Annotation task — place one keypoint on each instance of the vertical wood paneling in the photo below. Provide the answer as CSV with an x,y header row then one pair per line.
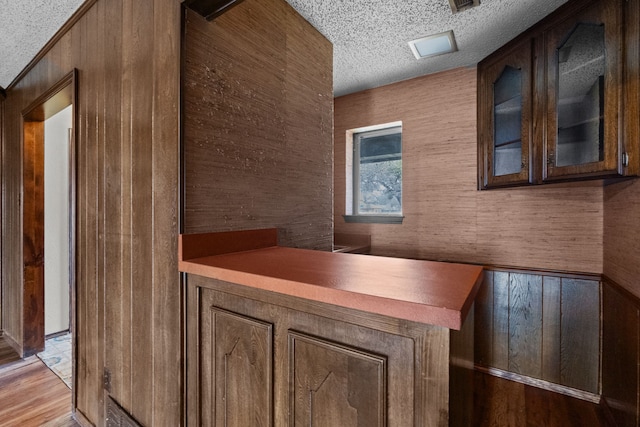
x,y
127,55
544,327
115,309
620,356
525,324
580,355
141,210
500,347
551,328
484,321
258,124
166,317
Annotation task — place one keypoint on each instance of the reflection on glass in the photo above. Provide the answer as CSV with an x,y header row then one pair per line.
x,y
581,66
507,120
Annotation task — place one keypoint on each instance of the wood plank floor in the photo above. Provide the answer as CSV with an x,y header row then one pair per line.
x,y
32,395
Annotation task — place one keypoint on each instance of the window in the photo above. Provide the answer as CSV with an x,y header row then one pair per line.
x,y
374,174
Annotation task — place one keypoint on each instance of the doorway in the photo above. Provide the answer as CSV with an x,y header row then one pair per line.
x,y
48,222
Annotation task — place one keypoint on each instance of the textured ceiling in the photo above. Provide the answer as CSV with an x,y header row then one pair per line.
x,y
369,36
25,27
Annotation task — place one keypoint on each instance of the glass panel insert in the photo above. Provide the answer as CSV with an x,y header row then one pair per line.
x,y
507,122
581,67
379,171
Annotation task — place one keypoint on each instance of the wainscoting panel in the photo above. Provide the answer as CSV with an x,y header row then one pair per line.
x,y
620,354
542,326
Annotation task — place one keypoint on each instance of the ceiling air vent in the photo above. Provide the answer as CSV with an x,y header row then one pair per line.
x,y
460,5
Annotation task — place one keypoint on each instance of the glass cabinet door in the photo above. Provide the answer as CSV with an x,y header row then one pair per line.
x,y
582,96
506,117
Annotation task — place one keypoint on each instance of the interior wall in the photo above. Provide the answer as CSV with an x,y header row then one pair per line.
x,y
551,227
257,124
56,221
128,290
622,234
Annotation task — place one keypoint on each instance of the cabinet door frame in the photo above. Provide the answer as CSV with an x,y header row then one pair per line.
x,y
519,57
609,13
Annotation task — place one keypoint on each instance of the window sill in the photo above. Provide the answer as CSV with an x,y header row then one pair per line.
x,y
374,219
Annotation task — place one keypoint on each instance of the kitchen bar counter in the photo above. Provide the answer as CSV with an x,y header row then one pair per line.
x,y
361,339
428,292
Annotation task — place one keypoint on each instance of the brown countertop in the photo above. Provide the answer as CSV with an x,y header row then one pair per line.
x,y
422,291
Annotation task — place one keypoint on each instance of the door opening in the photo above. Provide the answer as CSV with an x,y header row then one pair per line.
x,y
48,220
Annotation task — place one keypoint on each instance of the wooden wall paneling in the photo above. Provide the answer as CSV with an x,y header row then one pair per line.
x,y
541,326
89,366
525,324
257,124
141,210
620,355
501,328
11,171
168,383
551,328
484,321
580,342
127,195
117,309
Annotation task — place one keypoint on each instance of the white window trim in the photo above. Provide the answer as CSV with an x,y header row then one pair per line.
x,y
350,216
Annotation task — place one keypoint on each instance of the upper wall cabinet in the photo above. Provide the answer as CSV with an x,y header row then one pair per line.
x,y
550,102
505,111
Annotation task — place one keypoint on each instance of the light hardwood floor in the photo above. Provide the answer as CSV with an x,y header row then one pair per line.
x,y
30,394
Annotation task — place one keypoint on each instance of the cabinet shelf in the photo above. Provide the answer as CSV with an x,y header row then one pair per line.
x,y
508,143
581,123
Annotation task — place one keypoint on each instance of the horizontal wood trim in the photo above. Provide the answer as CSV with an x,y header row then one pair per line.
x,y
542,384
555,273
192,246
88,4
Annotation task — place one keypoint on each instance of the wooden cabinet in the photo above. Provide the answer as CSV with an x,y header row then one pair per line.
x,y
256,358
505,110
550,102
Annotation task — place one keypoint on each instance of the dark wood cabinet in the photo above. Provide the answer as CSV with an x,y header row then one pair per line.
x,y
560,85
257,358
505,111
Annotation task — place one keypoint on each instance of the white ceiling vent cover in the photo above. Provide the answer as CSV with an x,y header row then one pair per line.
x,y
460,5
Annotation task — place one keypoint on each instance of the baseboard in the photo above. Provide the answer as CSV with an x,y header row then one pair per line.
x,y
81,419
14,344
606,410
542,384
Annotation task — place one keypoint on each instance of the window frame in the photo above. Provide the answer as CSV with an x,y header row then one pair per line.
x,y
352,213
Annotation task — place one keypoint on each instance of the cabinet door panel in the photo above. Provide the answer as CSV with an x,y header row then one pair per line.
x,y
333,385
583,78
505,119
240,368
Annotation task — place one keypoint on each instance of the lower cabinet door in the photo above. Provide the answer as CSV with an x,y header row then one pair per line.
x,y
239,366
334,385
